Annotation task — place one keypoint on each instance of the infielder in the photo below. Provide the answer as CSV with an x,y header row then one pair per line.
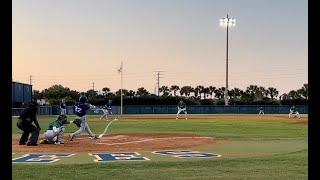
x,y
63,107
261,111
294,111
54,134
81,109
107,109
182,107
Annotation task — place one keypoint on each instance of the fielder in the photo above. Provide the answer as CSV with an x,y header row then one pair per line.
x,y
54,134
261,111
81,109
107,109
63,107
294,111
182,107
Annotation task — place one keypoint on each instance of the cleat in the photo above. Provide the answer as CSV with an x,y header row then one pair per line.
x,y
44,141
22,143
71,137
32,144
95,137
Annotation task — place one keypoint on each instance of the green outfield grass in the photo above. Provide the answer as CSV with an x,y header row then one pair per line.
x,y
269,147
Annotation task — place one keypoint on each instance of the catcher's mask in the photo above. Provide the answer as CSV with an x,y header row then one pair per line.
x,y
62,118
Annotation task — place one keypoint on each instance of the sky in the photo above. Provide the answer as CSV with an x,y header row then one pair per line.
x,y
80,43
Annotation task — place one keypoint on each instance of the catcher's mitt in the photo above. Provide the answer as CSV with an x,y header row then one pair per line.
x,y
77,122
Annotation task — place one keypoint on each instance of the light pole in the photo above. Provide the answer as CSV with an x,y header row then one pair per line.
x,y
226,23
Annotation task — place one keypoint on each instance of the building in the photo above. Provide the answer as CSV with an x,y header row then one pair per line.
x,y
21,94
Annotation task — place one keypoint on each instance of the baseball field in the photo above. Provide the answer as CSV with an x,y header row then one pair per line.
x,y
160,147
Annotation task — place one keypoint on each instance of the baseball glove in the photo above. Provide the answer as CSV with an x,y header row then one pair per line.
x,y
77,122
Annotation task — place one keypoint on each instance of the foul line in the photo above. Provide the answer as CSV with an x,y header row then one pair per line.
x,y
146,140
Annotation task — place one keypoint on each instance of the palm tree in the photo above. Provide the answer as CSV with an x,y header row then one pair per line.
x,y
232,94
238,93
211,90
165,90
106,90
219,93
124,92
174,88
272,92
196,91
186,90
294,95
131,93
205,92
142,92
251,90
303,91
260,93
201,88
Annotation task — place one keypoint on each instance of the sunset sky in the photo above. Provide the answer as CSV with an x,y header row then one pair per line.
x,y
77,42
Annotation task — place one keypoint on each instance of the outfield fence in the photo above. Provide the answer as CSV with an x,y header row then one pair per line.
x,y
172,109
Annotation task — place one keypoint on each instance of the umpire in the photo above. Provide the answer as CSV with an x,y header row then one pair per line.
x,y
24,123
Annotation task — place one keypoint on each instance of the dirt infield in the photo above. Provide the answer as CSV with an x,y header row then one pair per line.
x,y
119,142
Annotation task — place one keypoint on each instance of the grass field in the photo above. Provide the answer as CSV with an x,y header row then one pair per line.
x,y
252,147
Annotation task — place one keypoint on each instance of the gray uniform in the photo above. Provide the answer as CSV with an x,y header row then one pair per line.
x,y
81,111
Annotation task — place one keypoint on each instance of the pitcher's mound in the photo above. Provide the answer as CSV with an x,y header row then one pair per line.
x,y
119,142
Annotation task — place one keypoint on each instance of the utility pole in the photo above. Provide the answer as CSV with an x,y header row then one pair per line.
x,y
93,86
30,80
158,79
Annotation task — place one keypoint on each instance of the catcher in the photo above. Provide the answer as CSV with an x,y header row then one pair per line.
x,y
54,134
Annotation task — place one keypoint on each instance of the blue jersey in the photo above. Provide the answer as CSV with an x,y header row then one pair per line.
x,y
63,106
81,109
108,106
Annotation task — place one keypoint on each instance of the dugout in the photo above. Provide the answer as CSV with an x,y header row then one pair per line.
x,y
21,94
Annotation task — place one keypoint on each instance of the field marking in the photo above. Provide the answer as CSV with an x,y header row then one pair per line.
x,y
152,139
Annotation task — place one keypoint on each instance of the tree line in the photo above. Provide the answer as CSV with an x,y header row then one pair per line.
x,y
171,95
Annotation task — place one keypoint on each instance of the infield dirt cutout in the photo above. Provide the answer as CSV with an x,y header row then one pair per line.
x,y
119,142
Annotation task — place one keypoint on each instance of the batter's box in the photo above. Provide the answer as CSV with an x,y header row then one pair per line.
x,y
186,154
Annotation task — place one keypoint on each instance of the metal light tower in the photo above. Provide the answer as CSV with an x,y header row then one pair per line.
x,y
120,71
226,23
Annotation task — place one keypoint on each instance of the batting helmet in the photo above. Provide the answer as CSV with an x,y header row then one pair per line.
x,y
83,99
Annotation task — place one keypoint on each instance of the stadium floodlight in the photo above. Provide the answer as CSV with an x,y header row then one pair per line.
x,y
226,23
